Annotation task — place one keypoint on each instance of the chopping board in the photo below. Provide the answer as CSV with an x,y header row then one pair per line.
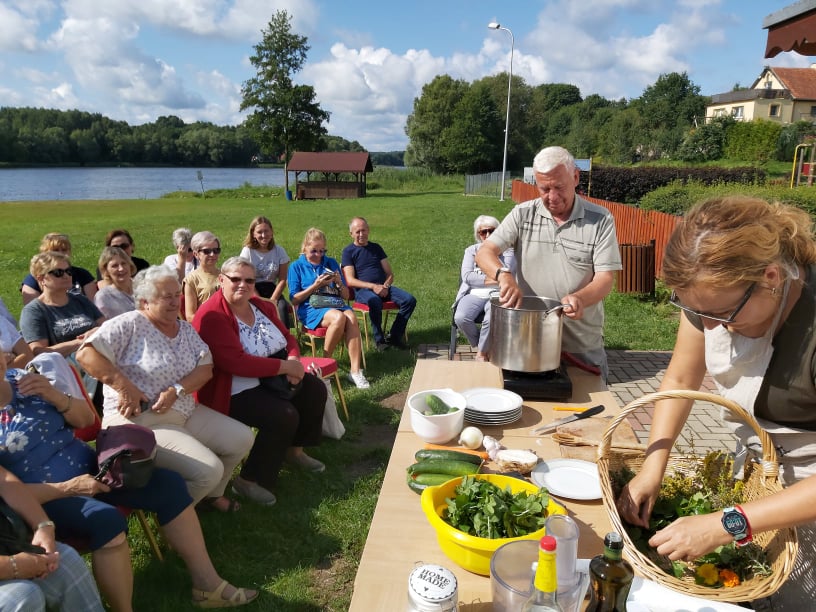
x,y
593,429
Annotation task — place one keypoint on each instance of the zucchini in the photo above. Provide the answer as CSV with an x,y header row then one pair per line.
x,y
419,482
443,466
454,455
437,405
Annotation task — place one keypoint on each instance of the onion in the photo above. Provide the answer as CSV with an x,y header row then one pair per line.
x,y
471,437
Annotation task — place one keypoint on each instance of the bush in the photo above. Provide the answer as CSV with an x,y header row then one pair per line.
x,y
755,140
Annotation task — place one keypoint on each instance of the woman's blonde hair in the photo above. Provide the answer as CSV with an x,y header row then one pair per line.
x,y
110,253
55,242
312,235
730,240
42,263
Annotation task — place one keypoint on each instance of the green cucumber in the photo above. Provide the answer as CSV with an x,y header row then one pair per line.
x,y
437,405
449,455
419,482
443,466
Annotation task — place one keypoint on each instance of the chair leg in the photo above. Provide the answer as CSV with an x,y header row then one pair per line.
x,y
453,338
340,393
363,323
148,531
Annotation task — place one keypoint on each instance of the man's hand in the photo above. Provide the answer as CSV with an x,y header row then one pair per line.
x,y
381,291
509,292
574,308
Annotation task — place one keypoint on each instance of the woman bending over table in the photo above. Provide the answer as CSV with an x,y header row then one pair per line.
x,y
38,446
744,273
151,364
248,341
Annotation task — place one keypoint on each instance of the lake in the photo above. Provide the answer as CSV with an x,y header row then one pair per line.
x,y
124,183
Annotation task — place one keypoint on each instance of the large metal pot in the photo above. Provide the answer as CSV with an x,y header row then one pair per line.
x,y
526,339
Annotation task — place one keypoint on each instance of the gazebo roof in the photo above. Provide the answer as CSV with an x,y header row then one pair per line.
x,y
330,162
792,28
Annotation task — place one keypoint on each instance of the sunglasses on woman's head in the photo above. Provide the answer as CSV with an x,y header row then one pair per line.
x,y
60,272
215,251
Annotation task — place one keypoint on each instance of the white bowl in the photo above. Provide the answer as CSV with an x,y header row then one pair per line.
x,y
437,428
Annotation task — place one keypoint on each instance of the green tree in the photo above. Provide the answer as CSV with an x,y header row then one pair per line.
x,y
287,117
475,139
706,142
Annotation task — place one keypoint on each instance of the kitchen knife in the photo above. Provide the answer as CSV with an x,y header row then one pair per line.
x,y
552,426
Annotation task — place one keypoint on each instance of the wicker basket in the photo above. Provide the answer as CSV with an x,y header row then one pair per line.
x,y
780,546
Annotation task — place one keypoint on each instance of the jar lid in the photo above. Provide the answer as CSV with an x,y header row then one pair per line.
x,y
432,584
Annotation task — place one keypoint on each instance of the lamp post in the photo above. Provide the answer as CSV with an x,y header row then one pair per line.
x,y
493,25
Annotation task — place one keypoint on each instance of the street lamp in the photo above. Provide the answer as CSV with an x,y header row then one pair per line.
x,y
493,25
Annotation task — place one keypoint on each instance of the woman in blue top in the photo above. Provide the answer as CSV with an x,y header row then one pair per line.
x,y
314,273
37,444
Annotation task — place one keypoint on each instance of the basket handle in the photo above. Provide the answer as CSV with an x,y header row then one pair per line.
x,y
770,463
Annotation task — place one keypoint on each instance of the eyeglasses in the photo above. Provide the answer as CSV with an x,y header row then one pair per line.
x,y
122,245
215,251
487,231
730,319
60,272
169,297
317,251
237,279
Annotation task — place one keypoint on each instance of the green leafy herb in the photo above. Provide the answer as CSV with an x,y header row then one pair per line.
x,y
482,509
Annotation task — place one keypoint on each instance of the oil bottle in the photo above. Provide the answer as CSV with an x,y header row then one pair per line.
x,y
610,577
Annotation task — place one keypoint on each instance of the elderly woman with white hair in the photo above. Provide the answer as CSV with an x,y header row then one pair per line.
x,y
183,261
151,363
472,302
200,284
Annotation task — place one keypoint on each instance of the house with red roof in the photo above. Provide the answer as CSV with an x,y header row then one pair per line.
x,y
785,95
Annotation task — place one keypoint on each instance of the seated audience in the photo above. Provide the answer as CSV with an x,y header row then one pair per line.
x,y
369,273
151,363
58,320
271,264
57,578
243,332
202,282
473,298
122,239
183,261
315,273
117,269
15,350
41,450
6,314
82,282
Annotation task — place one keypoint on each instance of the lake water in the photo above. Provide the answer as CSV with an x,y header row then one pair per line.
x,y
124,183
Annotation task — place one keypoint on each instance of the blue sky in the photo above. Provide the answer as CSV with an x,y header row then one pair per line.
x,y
138,60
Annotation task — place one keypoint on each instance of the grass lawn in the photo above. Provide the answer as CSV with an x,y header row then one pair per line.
x,y
303,552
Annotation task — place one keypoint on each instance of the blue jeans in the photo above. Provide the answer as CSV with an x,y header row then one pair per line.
x,y
403,299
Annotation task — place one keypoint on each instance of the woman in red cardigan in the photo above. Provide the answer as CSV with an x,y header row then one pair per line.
x,y
248,342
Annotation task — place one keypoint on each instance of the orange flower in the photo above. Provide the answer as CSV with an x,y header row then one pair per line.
x,y
729,578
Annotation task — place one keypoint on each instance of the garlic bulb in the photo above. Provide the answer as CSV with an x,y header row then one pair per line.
x,y
471,437
510,460
492,446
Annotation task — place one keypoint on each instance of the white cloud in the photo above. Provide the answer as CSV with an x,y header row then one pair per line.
x,y
17,30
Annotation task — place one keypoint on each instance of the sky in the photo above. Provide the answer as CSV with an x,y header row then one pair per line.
x,y
137,60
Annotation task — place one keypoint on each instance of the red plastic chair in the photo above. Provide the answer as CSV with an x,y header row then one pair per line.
x,y
309,337
328,367
362,310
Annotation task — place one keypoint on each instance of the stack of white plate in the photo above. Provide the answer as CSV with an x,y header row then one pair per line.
x,y
491,406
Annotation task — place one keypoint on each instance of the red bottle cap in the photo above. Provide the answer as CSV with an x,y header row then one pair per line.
x,y
547,543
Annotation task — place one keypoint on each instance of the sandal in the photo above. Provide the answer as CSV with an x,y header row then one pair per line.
x,y
214,599
212,504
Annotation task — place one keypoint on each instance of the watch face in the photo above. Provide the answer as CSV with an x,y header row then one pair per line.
x,y
734,523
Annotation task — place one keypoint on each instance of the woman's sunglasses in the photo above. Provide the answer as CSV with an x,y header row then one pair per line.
x,y
215,251
675,301
487,231
60,272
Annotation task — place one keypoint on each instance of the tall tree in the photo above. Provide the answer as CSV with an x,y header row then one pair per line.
x,y
287,117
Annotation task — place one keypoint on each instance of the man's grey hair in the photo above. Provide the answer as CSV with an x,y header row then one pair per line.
x,y
550,158
363,219
145,283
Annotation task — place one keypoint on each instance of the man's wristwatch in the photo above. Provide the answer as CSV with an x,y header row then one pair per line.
x,y
736,523
180,392
499,271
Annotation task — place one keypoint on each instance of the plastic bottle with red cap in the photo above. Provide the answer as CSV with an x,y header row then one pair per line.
x,y
545,594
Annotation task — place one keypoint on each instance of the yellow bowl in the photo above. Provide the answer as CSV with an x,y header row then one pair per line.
x,y
471,552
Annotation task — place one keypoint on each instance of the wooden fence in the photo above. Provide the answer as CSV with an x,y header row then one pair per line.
x,y
633,225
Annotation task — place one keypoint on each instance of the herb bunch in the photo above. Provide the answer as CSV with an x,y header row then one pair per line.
x,y
482,509
709,488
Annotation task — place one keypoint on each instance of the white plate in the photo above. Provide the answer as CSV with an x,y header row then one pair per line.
x,y
570,478
490,400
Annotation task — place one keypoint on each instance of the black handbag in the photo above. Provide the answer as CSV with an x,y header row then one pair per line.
x,y
15,534
126,456
279,384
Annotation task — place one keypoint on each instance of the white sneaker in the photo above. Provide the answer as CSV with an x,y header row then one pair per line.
x,y
359,379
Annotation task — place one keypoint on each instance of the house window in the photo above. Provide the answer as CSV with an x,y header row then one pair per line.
x,y
773,111
813,111
737,112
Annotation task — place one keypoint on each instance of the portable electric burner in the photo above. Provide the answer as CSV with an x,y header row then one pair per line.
x,y
550,385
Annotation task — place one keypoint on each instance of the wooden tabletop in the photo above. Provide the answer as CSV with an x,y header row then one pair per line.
x,y
400,537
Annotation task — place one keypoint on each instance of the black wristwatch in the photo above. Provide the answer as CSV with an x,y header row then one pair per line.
x,y
736,523
499,271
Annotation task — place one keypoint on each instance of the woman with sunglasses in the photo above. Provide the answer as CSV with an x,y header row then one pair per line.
x,y
248,343
58,320
743,272
472,303
200,284
313,274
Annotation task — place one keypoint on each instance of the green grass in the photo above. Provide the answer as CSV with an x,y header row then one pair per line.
x,y
304,551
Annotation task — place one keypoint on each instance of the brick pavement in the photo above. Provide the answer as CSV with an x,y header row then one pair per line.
x,y
632,374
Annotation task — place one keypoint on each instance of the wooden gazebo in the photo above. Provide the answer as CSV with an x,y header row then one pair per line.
x,y
331,167
792,28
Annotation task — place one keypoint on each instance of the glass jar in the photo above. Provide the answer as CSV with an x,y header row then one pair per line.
x,y
432,588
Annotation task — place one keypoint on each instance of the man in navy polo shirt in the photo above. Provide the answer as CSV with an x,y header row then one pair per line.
x,y
368,272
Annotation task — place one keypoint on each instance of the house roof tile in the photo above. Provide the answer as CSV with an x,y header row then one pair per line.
x,y
800,81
